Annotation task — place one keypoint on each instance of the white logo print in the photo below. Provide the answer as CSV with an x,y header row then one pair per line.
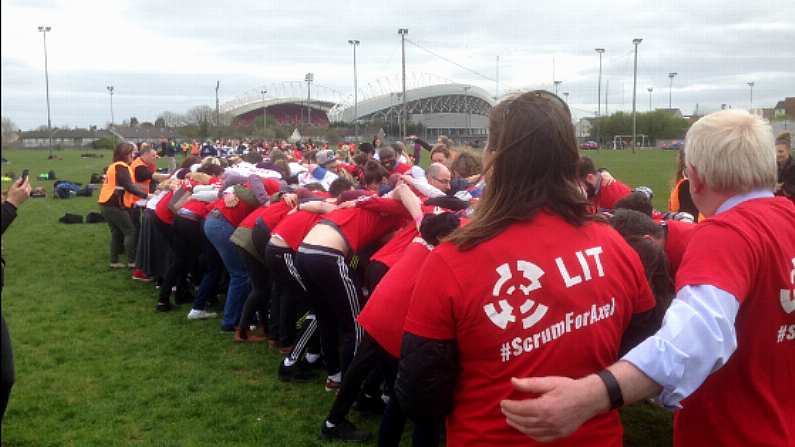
x,y
505,316
788,296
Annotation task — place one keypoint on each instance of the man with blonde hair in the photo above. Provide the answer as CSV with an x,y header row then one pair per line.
x,y
725,355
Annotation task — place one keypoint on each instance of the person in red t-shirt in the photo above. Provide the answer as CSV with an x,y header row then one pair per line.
x,y
532,285
322,262
389,160
601,194
726,351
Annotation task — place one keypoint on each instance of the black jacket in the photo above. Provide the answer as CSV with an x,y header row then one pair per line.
x,y
427,376
9,214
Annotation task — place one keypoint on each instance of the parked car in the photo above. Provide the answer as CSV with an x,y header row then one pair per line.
x,y
674,145
589,145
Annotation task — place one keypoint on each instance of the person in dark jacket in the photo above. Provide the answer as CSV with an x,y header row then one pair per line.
x,y
18,193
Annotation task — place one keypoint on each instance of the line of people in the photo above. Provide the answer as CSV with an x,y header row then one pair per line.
x,y
421,293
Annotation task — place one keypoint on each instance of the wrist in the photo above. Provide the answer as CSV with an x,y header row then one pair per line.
x,y
13,202
598,395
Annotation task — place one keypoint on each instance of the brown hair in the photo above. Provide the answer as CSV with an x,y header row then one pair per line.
x,y
532,166
122,151
466,165
784,138
440,148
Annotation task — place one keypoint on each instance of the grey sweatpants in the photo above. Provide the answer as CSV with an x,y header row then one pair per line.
x,y
122,232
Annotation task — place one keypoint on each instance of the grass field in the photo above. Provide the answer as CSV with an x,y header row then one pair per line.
x,y
96,366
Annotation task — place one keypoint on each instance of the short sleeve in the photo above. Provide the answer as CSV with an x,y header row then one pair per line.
x,y
719,256
431,312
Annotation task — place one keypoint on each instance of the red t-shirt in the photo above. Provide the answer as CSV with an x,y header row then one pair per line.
x,y
401,168
294,228
748,251
162,211
198,208
392,251
543,298
607,196
385,312
679,234
271,215
363,225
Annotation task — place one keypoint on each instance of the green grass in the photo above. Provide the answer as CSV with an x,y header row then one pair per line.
x,y
96,366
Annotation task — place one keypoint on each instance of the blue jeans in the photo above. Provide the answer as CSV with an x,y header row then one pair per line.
x,y
218,230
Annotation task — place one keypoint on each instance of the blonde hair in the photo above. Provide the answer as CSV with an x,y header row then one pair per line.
x,y
732,151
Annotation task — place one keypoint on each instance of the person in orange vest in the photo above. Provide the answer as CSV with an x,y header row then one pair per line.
x,y
680,199
144,169
194,149
116,197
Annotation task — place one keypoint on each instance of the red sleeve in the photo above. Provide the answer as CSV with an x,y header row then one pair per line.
x,y
385,206
431,312
719,256
609,195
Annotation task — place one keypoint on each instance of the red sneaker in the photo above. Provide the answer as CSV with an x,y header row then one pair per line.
x,y
139,275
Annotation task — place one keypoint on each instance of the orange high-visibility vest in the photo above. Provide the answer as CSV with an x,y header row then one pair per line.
x,y
110,185
143,185
673,200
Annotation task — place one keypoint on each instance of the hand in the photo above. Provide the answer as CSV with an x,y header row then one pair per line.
x,y
291,200
19,192
348,204
562,405
607,179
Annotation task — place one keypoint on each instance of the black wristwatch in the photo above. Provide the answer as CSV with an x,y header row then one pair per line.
x,y
613,390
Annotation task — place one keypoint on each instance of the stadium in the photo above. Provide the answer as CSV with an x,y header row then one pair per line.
x,y
456,110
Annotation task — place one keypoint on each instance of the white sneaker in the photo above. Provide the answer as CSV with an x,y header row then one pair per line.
x,y
196,314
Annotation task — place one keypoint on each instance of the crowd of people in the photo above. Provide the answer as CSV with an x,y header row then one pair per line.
x,y
490,297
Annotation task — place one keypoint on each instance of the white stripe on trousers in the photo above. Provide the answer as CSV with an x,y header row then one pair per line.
x,y
353,300
295,354
288,261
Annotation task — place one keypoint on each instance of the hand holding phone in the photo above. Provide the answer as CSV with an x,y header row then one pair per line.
x,y
25,174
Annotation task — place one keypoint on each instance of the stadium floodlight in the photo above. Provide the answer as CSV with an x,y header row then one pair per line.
x,y
635,42
403,112
44,30
599,51
670,87
751,84
264,111
355,43
308,78
650,89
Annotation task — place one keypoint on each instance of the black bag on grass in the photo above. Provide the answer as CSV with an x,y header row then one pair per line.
x,y
51,175
69,218
85,192
94,217
95,179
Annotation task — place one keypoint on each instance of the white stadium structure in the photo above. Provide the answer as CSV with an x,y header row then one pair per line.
x,y
457,110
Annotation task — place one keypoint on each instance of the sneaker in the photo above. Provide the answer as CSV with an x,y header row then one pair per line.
x,y
249,338
117,265
332,385
163,307
225,328
196,314
139,275
344,431
296,373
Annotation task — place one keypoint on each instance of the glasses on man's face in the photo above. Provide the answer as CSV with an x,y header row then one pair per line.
x,y
442,181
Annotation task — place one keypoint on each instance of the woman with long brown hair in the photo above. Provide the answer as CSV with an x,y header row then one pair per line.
x,y
531,284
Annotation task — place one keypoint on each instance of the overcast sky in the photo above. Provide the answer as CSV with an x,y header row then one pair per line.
x,y
167,55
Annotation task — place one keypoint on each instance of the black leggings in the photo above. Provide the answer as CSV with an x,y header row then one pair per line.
x,y
7,373
334,294
259,297
289,289
174,276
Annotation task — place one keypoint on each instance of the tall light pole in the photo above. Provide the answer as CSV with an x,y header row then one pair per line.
x,y
557,86
264,112
601,51
403,111
671,77
635,42
44,30
110,89
469,112
566,95
355,43
650,89
217,110
751,84
309,77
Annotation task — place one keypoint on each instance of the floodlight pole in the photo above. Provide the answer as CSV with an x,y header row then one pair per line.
x,y
670,87
264,112
650,89
599,95
309,78
403,112
217,110
44,30
751,84
355,43
557,86
110,90
635,42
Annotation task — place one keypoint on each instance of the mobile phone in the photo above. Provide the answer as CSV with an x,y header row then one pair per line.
x,y
25,173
